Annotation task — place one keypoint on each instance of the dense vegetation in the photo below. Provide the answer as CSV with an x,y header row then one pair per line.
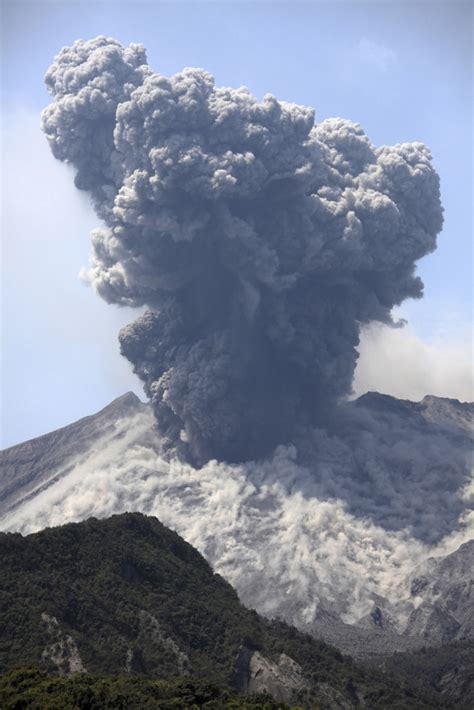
x,y
132,596
31,688
447,669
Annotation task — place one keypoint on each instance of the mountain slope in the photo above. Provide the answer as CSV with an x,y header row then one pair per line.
x,y
32,689
448,669
33,466
365,503
127,595
441,594
438,608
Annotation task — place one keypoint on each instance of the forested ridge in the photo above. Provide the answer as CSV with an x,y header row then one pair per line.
x,y
126,602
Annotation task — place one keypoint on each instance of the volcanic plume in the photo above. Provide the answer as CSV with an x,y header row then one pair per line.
x,y
259,240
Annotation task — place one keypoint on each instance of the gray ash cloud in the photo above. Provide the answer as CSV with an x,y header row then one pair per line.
x,y
259,240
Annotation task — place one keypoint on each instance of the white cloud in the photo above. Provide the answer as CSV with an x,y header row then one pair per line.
x,y
396,361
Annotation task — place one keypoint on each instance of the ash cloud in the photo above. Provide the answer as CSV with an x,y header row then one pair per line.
x,y
260,241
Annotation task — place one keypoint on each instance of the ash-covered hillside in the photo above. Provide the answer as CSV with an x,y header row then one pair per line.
x,y
360,537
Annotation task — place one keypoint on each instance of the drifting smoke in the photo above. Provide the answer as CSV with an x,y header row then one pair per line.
x,y
259,240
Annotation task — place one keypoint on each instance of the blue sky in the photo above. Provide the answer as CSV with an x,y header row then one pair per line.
x,y
403,70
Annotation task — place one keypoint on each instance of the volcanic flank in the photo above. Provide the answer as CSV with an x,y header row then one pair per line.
x,y
259,240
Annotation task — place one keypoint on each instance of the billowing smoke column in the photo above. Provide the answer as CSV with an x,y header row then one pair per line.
x,y
259,240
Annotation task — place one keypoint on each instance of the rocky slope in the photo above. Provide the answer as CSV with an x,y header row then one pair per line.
x,y
441,606
448,669
438,609
126,595
356,535
31,467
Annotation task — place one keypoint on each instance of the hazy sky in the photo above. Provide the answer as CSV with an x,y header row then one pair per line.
x,y
403,70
